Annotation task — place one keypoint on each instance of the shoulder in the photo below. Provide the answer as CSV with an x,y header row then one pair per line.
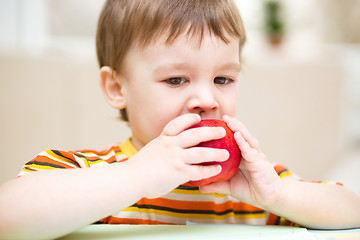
x,y
59,159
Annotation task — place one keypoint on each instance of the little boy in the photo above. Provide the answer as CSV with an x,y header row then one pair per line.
x,y
166,65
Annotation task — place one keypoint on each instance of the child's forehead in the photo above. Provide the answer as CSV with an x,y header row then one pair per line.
x,y
175,50
187,36
192,49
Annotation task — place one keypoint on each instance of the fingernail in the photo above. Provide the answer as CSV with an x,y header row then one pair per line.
x,y
226,155
237,136
222,131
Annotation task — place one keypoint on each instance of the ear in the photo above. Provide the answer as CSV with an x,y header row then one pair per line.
x,y
112,87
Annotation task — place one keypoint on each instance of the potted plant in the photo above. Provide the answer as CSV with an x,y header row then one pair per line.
x,y
274,26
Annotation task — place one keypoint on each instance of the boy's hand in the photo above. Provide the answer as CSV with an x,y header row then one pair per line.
x,y
170,159
256,181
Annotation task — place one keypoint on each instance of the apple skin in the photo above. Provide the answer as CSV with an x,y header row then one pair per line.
x,y
230,166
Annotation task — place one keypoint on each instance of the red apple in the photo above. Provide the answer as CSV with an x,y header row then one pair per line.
x,y
230,166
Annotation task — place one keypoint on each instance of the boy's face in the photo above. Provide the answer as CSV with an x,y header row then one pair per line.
x,y
163,81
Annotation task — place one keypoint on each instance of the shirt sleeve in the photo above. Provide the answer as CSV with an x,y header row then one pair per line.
x,y
55,159
49,160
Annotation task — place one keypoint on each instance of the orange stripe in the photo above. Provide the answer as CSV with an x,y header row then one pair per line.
x,y
67,154
271,219
278,168
195,205
112,159
276,220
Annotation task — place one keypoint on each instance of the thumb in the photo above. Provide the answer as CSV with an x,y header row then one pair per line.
x,y
221,187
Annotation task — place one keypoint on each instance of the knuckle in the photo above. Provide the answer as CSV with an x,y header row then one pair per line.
x,y
195,132
203,154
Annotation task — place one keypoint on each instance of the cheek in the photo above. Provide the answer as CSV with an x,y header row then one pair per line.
x,y
166,111
230,109
152,113
229,102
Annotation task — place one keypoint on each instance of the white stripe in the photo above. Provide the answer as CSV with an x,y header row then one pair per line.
x,y
179,220
80,161
199,198
98,164
121,157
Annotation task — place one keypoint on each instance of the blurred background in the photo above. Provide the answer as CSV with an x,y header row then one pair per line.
x,y
299,94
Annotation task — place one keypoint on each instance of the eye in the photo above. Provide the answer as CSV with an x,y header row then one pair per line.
x,y
222,80
175,81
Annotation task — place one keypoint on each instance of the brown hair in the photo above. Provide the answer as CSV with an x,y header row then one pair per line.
x,y
123,23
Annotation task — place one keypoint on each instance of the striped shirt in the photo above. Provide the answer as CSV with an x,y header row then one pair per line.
x,y
182,205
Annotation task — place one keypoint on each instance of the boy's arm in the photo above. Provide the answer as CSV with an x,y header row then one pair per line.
x,y
316,205
53,203
49,204
313,205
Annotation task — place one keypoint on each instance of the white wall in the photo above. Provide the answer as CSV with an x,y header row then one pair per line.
x,y
51,103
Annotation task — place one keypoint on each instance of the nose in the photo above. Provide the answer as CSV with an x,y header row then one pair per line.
x,y
203,100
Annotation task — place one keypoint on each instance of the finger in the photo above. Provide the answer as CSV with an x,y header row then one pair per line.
x,y
235,125
199,155
202,172
248,153
194,136
179,124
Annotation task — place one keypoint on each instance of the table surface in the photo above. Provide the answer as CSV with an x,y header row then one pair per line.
x,y
182,232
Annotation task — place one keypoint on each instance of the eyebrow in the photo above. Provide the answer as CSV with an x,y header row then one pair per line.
x,y
232,66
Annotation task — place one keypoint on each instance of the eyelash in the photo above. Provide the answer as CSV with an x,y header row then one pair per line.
x,y
225,80
177,81
172,82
